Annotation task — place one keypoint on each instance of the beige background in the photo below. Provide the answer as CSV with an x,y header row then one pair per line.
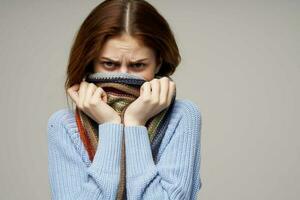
x,y
241,65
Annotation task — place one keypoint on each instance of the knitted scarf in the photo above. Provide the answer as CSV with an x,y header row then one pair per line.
x,y
121,90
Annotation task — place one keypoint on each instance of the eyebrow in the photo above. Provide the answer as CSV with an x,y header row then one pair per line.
x,y
116,61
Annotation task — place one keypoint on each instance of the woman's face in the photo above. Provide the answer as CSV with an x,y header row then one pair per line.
x,y
126,54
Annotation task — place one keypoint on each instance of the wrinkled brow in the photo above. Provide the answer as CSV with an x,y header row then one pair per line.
x,y
117,61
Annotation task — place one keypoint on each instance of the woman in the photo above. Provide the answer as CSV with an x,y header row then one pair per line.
x,y
125,37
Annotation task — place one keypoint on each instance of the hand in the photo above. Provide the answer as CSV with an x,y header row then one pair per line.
x,y
155,96
92,100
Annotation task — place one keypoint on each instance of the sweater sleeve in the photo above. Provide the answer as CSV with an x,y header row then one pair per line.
x,y
70,178
176,176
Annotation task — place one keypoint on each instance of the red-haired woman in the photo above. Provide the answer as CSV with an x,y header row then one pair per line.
x,y
124,40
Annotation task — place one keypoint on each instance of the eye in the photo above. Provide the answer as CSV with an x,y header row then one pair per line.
x,y
138,65
108,64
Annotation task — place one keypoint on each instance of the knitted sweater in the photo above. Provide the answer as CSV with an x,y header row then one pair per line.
x,y
176,175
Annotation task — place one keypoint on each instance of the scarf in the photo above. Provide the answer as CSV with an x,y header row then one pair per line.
x,y
121,90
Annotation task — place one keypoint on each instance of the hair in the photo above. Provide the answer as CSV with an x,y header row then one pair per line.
x,y
139,19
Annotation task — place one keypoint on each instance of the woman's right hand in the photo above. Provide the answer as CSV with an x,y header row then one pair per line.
x,y
92,100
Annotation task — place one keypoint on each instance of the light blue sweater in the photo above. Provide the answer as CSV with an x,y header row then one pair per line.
x,y
176,176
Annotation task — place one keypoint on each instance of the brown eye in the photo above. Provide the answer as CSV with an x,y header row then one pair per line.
x,y
138,65
108,63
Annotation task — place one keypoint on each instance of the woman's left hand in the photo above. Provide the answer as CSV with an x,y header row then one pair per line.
x,y
155,96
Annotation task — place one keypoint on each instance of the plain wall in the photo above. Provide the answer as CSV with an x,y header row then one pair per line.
x,y
240,64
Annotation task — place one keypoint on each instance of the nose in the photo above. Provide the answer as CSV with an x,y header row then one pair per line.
x,y
124,68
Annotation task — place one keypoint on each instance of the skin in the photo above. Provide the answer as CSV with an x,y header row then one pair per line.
x,y
121,55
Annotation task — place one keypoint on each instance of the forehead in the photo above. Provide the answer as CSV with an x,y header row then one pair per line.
x,y
117,47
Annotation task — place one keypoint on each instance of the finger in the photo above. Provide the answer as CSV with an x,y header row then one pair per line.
x,y
155,86
172,90
99,95
73,92
74,87
82,91
91,87
164,89
146,89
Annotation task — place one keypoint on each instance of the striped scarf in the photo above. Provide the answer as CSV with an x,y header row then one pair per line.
x,y
121,90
